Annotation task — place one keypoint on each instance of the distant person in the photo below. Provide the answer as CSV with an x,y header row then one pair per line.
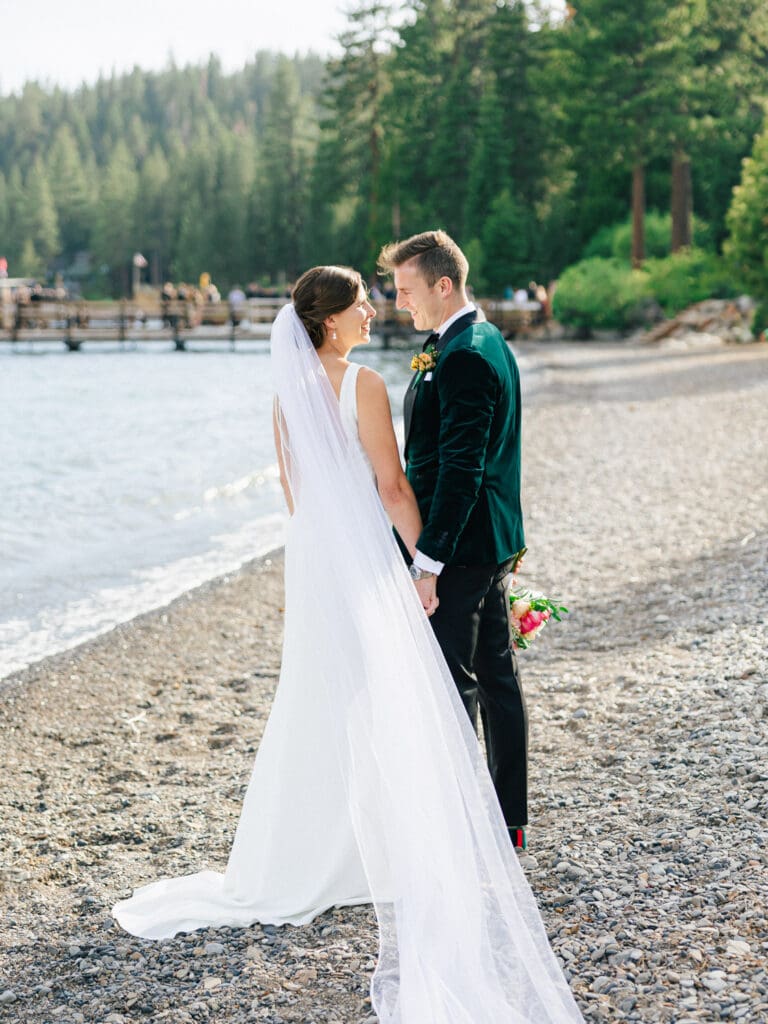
x,y
168,295
543,299
521,295
236,301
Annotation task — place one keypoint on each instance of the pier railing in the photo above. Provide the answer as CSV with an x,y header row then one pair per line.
x,y
75,322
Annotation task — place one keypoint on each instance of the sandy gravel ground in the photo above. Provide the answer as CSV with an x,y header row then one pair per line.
x,y
646,491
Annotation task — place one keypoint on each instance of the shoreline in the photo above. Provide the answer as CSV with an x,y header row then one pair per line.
x,y
125,759
540,352
15,676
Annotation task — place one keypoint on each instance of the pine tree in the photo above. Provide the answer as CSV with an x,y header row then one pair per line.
x,y
30,264
114,236
456,112
513,145
229,255
193,174
281,187
419,67
350,183
5,220
507,244
69,186
722,97
621,70
154,213
38,221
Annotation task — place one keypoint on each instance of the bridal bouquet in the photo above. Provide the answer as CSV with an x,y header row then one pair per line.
x,y
528,613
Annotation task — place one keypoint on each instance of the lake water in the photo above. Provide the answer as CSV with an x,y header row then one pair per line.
x,y
128,477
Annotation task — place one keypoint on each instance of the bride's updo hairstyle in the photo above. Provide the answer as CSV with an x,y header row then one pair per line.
x,y
321,292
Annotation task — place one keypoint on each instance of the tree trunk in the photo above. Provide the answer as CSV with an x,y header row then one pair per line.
x,y
682,200
638,215
396,218
155,268
374,216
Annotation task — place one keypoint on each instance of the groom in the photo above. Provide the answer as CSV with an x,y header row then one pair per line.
x,y
462,450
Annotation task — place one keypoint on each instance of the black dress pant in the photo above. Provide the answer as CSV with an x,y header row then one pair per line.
x,y
472,627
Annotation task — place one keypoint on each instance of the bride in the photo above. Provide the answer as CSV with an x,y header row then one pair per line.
x,y
369,785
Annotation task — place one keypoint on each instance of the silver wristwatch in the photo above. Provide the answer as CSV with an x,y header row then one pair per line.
x,y
419,574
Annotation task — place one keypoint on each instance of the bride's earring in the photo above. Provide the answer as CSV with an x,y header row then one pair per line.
x,y
333,335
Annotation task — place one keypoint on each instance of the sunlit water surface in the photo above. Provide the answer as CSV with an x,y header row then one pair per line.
x,y
128,477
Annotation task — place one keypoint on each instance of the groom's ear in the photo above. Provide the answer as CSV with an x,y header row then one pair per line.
x,y
445,284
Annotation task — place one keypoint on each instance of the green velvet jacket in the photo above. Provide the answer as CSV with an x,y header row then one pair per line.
x,y
462,448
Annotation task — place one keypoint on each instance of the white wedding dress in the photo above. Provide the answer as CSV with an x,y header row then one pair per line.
x,y
369,785
295,853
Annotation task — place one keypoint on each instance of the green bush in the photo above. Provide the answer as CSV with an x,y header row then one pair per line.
x,y
689,276
602,293
746,248
615,240
760,320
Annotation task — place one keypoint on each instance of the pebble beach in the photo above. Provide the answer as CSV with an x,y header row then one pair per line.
x,y
646,500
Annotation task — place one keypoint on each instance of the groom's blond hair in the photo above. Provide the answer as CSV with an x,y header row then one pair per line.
x,y
436,255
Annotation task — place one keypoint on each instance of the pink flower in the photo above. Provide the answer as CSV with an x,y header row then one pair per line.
x,y
546,614
530,622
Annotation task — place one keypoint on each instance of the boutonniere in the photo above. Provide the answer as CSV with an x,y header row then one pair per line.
x,y
425,362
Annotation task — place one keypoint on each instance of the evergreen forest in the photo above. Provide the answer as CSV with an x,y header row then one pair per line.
x,y
522,133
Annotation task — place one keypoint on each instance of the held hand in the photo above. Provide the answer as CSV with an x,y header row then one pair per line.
x,y
427,591
518,561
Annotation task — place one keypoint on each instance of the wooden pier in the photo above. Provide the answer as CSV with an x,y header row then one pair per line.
x,y
75,323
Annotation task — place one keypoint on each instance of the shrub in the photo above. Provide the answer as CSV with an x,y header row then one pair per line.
x,y
689,276
760,320
615,240
746,248
602,293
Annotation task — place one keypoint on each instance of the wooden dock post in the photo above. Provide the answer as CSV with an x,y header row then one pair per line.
x,y
121,323
178,339
69,340
72,320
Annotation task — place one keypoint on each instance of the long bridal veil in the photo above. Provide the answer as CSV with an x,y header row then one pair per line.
x,y
461,939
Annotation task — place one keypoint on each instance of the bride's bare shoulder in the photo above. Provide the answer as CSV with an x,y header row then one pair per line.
x,y
369,383
371,388
372,397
